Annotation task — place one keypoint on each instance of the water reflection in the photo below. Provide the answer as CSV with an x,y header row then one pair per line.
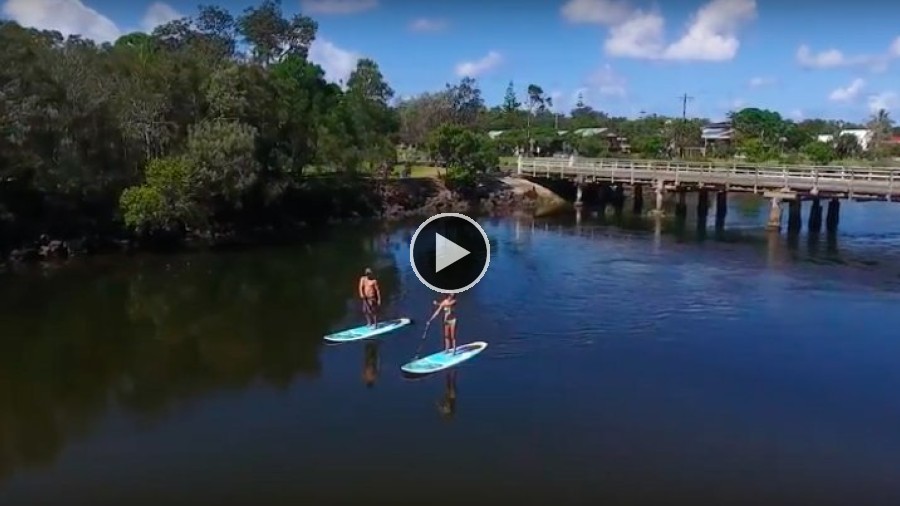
x,y
144,334
371,364
447,404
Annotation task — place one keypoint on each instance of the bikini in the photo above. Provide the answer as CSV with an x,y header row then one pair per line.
x,y
449,318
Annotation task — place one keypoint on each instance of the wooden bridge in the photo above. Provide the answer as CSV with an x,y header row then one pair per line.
x,y
836,181
792,183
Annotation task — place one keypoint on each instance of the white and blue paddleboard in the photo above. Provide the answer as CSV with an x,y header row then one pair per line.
x,y
444,359
367,331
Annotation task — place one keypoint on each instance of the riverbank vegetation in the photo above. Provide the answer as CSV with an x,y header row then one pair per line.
x,y
220,125
536,126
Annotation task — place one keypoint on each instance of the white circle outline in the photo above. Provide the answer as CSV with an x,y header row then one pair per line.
x,y
487,261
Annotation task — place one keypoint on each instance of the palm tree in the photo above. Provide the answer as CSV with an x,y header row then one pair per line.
x,y
881,125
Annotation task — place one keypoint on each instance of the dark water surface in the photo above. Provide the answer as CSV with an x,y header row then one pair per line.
x,y
625,366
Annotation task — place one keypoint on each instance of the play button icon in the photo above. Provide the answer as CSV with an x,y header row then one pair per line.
x,y
446,252
449,253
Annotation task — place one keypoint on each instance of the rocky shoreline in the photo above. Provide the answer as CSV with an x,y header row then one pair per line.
x,y
391,201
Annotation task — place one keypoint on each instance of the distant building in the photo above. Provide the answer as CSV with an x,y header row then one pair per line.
x,y
863,137
722,132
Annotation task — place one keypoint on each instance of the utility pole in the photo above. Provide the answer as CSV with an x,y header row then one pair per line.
x,y
679,138
684,100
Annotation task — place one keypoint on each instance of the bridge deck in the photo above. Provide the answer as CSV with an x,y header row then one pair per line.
x,y
835,180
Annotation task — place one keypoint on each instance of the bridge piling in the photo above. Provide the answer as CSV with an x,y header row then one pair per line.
x,y
721,208
833,215
681,204
795,218
659,189
815,216
604,196
702,207
637,197
774,222
579,194
618,198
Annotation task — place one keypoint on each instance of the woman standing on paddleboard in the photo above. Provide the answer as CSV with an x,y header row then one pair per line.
x,y
447,306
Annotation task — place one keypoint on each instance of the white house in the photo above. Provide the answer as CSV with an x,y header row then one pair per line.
x,y
863,137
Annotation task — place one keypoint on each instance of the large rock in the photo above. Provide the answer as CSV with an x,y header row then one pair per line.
x,y
54,250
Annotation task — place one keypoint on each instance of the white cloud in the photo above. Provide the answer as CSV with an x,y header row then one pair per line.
x,y
895,48
887,100
834,58
602,12
480,66
607,82
427,25
759,82
69,17
796,115
337,62
337,6
557,98
641,36
828,58
72,17
158,14
848,93
711,34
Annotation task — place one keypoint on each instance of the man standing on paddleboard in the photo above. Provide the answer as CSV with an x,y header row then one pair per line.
x,y
447,305
370,294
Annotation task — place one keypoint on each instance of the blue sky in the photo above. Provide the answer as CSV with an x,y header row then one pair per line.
x,y
804,59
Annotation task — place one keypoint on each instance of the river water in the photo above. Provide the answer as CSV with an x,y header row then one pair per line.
x,y
627,365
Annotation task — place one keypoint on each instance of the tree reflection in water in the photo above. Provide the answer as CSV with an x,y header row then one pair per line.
x,y
144,333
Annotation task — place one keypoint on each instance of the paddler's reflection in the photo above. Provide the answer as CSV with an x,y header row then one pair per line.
x,y
447,405
370,365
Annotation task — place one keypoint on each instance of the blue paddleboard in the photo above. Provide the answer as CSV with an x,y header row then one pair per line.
x,y
444,359
365,331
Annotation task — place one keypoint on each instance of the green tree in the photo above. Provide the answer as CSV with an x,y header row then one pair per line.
x,y
766,126
465,98
367,101
421,115
819,153
166,200
465,153
847,146
511,102
881,125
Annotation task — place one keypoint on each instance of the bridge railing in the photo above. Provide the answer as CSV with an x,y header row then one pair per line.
x,y
842,178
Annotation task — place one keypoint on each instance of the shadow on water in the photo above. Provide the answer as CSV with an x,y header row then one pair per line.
x,y
143,334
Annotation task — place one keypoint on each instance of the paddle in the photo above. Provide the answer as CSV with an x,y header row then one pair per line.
x,y
422,342
427,324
